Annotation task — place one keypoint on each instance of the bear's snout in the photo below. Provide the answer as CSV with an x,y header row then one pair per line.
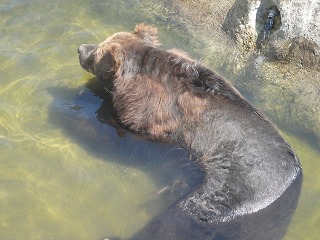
x,y
86,56
85,50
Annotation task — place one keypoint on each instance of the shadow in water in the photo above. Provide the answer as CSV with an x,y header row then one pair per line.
x,y
87,117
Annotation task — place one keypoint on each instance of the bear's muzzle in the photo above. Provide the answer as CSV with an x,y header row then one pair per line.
x,y
86,56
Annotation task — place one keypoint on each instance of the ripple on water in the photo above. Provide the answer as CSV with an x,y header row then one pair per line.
x,y
5,144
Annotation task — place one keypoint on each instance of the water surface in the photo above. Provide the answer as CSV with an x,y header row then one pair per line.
x,y
64,173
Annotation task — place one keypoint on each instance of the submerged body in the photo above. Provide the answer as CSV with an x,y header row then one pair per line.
x,y
247,165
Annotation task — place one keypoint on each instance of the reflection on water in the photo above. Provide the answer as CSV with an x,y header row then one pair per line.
x,y
60,177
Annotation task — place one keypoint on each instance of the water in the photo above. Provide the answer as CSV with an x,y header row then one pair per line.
x,y
66,175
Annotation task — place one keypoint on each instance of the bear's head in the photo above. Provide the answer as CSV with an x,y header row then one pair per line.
x,y
104,59
151,88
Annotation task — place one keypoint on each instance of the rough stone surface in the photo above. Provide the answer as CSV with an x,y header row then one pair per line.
x,y
295,35
206,14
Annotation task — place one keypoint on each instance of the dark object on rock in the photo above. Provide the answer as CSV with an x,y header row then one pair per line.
x,y
269,24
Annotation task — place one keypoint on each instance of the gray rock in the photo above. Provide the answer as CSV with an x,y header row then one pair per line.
x,y
295,32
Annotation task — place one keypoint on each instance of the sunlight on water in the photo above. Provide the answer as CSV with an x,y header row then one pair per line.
x,y
50,186
61,192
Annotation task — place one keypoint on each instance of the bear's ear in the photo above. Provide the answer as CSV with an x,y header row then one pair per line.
x,y
147,33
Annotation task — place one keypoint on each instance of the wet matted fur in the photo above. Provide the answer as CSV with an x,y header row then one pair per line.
x,y
248,166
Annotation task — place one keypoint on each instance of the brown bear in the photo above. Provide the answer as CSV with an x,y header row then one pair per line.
x,y
248,167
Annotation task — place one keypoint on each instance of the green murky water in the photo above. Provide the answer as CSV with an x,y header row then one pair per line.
x,y
57,180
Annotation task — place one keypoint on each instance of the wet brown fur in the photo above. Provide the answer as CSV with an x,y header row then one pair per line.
x,y
247,165
165,97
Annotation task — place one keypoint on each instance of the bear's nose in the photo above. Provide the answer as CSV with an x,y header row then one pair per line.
x,y
85,49
80,49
